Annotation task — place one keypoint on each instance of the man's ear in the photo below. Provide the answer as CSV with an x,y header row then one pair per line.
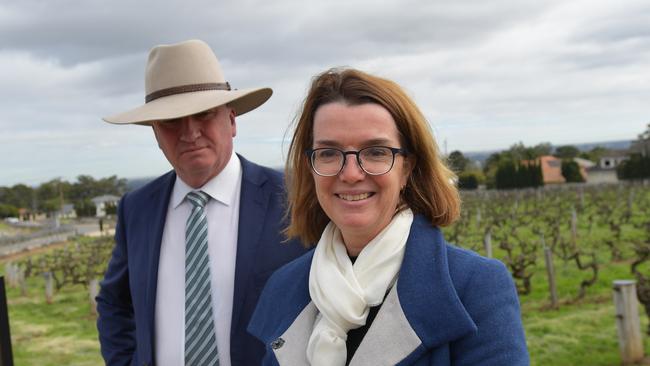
x,y
155,133
232,114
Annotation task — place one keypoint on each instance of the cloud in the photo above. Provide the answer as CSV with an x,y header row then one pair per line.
x,y
508,70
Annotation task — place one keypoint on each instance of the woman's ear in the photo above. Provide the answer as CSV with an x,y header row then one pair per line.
x,y
408,166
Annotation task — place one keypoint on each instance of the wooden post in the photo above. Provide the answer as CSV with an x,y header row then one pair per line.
x,y
487,242
627,321
49,287
6,356
10,274
93,289
582,198
22,283
574,226
550,272
630,200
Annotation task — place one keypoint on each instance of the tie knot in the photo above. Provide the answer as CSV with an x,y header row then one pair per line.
x,y
198,198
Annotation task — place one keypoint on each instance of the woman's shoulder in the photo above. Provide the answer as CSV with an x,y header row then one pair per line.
x,y
285,294
464,258
461,262
294,272
470,271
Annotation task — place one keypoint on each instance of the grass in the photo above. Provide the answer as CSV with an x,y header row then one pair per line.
x,y
578,333
61,333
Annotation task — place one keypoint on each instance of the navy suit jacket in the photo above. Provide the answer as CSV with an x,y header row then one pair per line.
x,y
449,306
126,301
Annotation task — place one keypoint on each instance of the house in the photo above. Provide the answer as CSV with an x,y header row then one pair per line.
x,y
551,169
68,212
612,158
605,170
103,202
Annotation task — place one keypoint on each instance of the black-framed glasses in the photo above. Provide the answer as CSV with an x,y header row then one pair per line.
x,y
374,160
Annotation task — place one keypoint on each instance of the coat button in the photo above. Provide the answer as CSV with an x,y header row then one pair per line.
x,y
278,343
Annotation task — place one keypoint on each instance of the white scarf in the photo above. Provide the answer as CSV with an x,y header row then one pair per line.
x,y
343,292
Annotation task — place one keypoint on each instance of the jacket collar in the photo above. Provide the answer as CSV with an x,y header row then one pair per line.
x,y
423,311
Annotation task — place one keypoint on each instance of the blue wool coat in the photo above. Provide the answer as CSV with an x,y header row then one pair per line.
x,y
449,306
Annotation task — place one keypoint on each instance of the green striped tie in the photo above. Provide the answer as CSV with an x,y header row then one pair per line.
x,y
200,338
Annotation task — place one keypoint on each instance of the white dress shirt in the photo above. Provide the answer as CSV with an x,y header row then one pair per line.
x,y
223,218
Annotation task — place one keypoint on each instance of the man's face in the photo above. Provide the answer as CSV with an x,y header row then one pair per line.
x,y
198,146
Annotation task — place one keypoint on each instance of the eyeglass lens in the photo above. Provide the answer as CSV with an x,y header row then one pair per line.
x,y
374,160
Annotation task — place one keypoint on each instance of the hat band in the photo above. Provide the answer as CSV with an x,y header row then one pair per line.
x,y
186,89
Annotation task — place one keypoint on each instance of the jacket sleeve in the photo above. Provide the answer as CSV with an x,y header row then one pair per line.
x,y
491,299
116,324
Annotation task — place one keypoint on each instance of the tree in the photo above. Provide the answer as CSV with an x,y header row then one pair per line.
x,y
518,175
468,180
571,172
566,152
457,161
19,196
636,167
50,195
594,154
642,145
8,211
542,149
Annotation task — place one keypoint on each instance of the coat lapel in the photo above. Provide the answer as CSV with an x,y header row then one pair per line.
x,y
252,212
159,202
423,311
390,337
296,337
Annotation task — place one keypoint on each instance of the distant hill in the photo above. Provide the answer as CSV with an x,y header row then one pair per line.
x,y
481,156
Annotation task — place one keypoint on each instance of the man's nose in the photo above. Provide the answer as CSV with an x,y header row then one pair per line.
x,y
190,129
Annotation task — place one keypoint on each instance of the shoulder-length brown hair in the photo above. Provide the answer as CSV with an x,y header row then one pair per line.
x,y
430,190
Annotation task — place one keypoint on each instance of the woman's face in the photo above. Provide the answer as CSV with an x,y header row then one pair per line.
x,y
360,205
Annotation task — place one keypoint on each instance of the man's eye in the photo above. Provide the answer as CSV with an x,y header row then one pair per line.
x,y
204,116
168,123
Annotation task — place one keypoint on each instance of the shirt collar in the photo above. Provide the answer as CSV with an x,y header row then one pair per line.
x,y
221,188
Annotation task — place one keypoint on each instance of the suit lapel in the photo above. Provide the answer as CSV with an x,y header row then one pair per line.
x,y
252,212
155,223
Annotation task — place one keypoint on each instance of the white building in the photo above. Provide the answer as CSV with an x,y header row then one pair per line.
x,y
102,202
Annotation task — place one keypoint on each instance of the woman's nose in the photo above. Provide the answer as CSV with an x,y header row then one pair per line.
x,y
351,171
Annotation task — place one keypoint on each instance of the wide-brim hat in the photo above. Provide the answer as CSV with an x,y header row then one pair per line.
x,y
183,79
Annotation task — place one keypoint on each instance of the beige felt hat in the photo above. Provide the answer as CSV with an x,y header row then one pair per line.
x,y
183,79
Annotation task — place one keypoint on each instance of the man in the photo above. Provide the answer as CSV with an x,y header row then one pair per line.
x,y
194,247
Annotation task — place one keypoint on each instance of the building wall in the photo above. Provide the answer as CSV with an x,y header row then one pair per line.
x,y
602,176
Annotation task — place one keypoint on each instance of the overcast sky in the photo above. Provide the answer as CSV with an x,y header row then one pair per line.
x,y
487,74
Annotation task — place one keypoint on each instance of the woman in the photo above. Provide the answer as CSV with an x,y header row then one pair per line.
x,y
382,287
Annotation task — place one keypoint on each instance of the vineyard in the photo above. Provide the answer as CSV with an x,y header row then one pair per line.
x,y
590,236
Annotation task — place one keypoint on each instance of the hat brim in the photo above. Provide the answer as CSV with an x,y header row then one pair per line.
x,y
185,104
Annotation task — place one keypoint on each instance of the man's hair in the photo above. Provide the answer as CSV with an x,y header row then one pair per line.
x,y
430,190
